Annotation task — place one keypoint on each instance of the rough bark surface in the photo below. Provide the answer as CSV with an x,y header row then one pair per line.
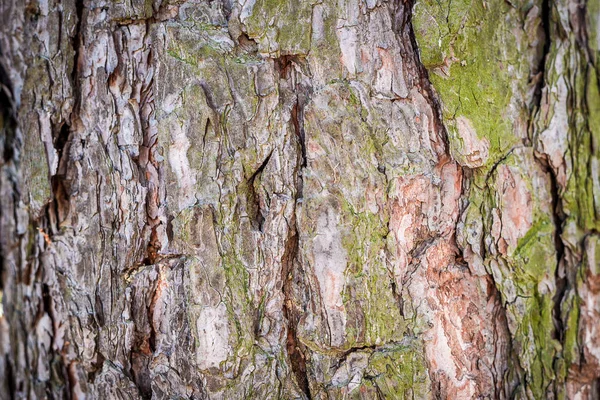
x,y
300,199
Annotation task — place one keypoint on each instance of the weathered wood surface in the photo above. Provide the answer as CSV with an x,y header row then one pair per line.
x,y
300,199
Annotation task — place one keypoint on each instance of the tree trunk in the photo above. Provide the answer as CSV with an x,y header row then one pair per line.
x,y
300,199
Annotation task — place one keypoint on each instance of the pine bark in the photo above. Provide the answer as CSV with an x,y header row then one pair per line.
x,y
219,199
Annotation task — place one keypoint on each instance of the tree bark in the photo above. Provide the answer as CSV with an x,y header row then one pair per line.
x,y
219,199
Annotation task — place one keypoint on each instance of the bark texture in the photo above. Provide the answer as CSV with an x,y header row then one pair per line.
x,y
320,199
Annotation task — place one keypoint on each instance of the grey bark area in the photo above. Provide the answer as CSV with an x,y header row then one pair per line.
x,y
320,199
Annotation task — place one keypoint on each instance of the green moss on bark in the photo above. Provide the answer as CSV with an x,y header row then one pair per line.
x,y
476,64
399,372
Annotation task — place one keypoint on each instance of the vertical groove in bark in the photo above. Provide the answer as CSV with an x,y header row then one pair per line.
x,y
406,25
59,207
286,68
540,74
10,146
295,349
571,276
257,213
560,277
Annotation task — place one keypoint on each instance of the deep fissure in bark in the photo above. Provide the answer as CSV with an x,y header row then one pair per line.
x,y
398,297
10,378
373,349
297,120
560,278
256,211
142,354
77,40
596,389
558,217
540,72
150,166
404,28
144,346
58,208
295,349
285,66
9,120
9,143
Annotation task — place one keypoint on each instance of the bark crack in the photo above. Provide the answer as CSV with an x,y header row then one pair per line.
x,y
404,27
8,143
541,67
58,208
286,66
256,211
558,216
296,350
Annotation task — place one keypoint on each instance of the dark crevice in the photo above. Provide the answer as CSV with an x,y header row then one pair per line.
x,y
540,71
61,138
77,41
151,308
286,66
152,250
398,297
255,210
58,208
378,391
403,27
8,143
558,218
140,374
558,215
8,109
497,164
351,350
595,395
98,309
504,382
10,377
46,304
295,349
145,343
96,366
170,232
297,120
208,95
246,45
258,318
47,300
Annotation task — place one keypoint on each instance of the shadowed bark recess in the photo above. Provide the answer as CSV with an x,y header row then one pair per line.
x,y
299,199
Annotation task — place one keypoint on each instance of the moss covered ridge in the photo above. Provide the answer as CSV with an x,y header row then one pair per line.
x,y
476,54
